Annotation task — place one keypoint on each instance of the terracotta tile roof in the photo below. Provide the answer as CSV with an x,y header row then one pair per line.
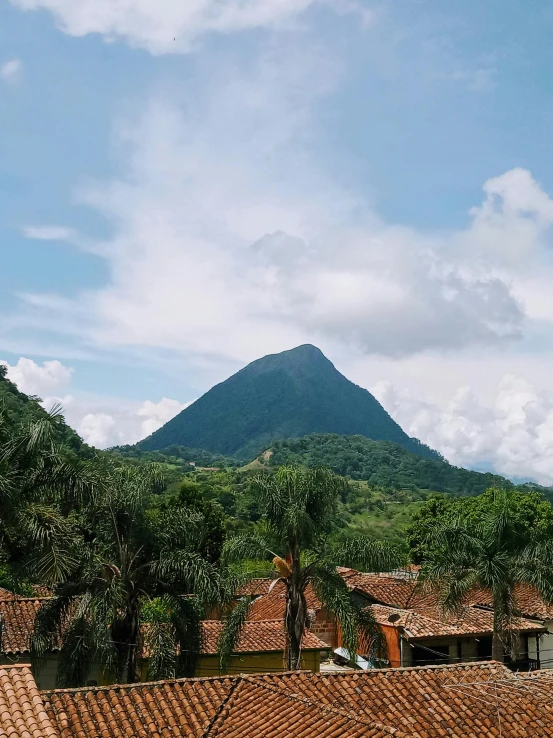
x,y
273,606
22,712
17,617
529,601
472,621
174,708
413,595
425,702
386,590
6,594
435,702
261,710
200,708
257,586
256,636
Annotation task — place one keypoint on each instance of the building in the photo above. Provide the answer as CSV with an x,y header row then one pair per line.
x,y
481,700
261,646
416,630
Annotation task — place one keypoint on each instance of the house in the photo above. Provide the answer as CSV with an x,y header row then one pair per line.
x,y
480,700
416,639
530,604
416,630
261,646
17,618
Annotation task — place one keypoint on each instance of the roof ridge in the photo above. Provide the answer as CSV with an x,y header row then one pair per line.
x,y
265,620
331,708
230,696
136,685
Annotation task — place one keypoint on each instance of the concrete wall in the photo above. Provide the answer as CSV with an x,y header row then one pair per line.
x,y
545,647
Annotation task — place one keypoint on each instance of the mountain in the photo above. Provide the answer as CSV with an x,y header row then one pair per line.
x,y
380,464
284,395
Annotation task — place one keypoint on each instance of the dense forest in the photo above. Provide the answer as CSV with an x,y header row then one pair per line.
x,y
381,464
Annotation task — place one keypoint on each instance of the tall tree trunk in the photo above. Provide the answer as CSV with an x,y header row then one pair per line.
x,y
131,628
296,613
498,652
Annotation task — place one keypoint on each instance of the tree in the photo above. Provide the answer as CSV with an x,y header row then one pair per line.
x,y
529,510
40,483
494,552
124,557
299,506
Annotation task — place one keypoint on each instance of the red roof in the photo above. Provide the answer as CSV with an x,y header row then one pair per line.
x,y
260,636
425,702
272,606
22,712
472,621
17,618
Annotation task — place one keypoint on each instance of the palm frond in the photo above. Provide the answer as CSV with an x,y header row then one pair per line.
x,y
367,554
233,625
246,546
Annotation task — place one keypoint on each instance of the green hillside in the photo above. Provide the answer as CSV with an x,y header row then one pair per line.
x,y
381,464
283,395
20,408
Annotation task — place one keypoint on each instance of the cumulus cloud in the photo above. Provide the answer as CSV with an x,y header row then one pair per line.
x,y
173,26
512,435
156,414
229,238
101,421
39,379
12,71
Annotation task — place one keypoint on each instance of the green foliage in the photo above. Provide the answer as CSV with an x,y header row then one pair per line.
x,y
21,410
494,546
381,464
124,553
180,456
299,507
279,396
191,496
531,513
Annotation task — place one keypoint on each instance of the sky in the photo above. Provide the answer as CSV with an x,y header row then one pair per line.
x,y
188,186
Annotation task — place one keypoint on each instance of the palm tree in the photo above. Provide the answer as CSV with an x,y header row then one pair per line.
x,y
128,559
40,483
496,554
299,506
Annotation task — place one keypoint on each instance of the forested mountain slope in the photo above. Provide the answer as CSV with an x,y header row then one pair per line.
x,y
381,464
283,395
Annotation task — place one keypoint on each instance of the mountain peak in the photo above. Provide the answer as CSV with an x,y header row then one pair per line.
x,y
285,395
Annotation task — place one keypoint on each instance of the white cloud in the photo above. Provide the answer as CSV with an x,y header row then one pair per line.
x,y
101,421
99,430
12,71
173,26
230,239
513,434
50,233
157,414
35,379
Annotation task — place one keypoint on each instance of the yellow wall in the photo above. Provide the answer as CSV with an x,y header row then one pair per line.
x,y
247,663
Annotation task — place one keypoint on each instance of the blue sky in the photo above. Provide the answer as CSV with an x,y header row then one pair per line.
x,y
187,186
